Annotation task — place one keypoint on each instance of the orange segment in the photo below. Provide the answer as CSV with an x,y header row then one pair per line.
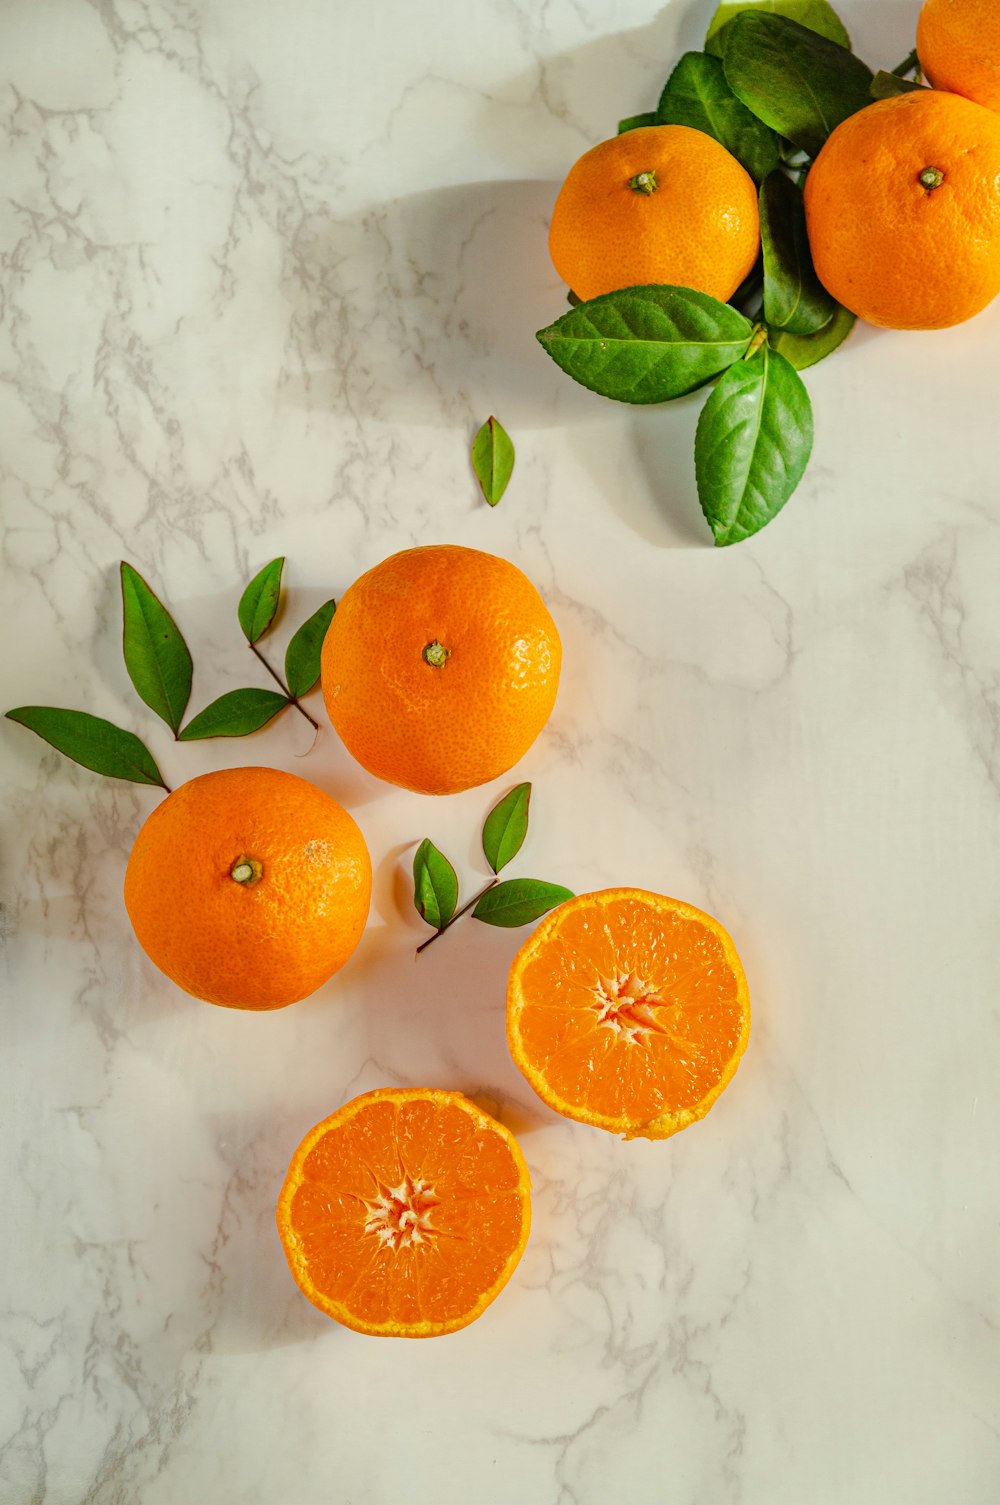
x,y
628,1010
405,1213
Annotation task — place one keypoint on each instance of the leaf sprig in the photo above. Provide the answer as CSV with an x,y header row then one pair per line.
x,y
161,669
512,902
775,78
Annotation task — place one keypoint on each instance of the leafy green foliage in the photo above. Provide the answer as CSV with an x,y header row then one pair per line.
x,y
492,459
647,344
156,655
752,444
697,95
794,297
89,740
435,886
506,827
816,15
518,901
303,655
259,602
637,122
799,83
804,350
235,714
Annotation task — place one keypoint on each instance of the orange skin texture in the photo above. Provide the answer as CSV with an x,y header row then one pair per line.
x,y
699,228
958,43
891,250
440,729
261,945
473,1199
629,1011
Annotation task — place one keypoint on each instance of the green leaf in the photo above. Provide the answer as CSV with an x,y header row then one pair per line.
x,y
302,659
435,886
156,656
752,444
518,901
697,95
492,459
817,15
235,714
506,827
96,744
804,350
637,122
797,82
259,602
794,297
887,85
647,344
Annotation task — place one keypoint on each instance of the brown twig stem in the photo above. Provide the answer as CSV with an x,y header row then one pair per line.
x,y
464,910
292,699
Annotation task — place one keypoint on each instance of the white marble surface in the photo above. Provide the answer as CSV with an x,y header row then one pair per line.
x,y
266,267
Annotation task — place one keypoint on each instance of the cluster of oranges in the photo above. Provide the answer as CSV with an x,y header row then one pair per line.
x,y
406,1211
902,202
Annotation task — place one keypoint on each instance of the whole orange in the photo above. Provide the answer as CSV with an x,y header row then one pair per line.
x,y
663,203
248,888
958,43
440,668
903,211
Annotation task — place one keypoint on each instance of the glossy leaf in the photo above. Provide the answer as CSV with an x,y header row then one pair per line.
x,y
804,350
435,886
259,602
302,658
647,344
637,122
235,714
92,742
752,444
518,901
492,459
816,15
506,827
888,85
797,82
697,95
156,655
794,297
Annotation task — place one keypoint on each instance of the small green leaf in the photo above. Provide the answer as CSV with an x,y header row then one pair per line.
x,y
506,827
156,656
637,122
302,659
235,714
804,350
518,901
752,444
887,85
816,15
259,602
797,82
96,744
647,344
435,886
794,297
697,95
492,459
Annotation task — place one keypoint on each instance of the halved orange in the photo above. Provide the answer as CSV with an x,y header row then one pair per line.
x,y
629,1011
405,1213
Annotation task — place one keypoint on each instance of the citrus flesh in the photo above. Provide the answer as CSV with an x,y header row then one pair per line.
x,y
629,1011
405,1213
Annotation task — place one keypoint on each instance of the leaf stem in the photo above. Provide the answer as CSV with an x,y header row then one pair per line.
x,y
908,64
292,699
464,910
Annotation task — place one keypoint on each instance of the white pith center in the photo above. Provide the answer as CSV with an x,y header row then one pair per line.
x,y
401,1215
625,1005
